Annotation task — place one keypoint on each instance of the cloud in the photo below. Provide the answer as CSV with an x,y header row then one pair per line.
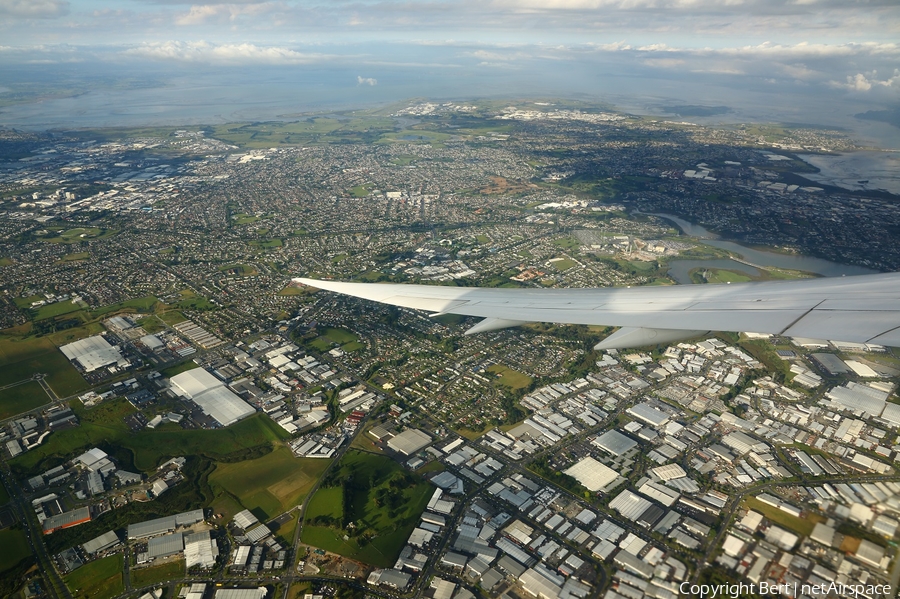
x,y
360,80
200,14
34,9
229,54
864,83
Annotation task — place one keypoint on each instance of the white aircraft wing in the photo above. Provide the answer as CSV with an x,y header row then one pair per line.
x,y
861,309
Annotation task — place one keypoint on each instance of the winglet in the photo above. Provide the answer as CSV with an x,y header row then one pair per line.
x,y
494,324
638,337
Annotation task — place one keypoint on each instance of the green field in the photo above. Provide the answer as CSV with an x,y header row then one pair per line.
x,y
331,336
150,447
507,377
361,191
239,270
21,358
100,579
80,234
802,526
172,317
564,264
380,505
326,502
719,275
569,243
76,257
243,219
13,547
272,484
139,304
21,398
179,368
155,574
266,244
55,309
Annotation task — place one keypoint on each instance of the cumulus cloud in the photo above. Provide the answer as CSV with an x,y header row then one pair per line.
x,y
360,80
865,82
236,54
34,9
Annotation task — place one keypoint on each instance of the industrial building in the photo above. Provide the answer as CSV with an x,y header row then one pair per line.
x,y
647,414
409,441
212,396
101,543
592,475
67,520
615,443
159,526
93,353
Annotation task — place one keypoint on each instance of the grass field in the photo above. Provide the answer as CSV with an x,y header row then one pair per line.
x,y
55,309
172,317
139,304
721,275
239,270
21,358
21,398
76,257
266,244
13,547
803,526
563,264
150,447
79,234
326,502
331,336
508,377
100,579
179,368
378,496
271,484
154,574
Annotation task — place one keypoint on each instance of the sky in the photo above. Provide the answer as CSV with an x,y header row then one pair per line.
x,y
800,52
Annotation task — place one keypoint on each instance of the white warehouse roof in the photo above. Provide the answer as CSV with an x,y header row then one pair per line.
x,y
92,353
593,475
648,414
409,441
615,443
213,397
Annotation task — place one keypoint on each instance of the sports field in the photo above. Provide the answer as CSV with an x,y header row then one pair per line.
x,y
21,398
378,497
272,484
508,377
100,579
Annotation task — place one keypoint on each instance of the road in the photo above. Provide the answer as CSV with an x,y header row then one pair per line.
x,y
22,508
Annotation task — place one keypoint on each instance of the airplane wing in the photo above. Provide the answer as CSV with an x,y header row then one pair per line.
x,y
861,309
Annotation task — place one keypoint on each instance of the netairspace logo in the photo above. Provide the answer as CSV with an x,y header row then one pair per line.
x,y
733,591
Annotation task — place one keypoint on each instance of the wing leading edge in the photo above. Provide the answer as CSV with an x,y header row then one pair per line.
x,y
860,309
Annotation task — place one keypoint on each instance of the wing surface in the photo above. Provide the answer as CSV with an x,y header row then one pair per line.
x,y
861,309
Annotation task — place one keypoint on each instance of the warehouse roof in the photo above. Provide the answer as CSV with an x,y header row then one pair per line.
x,y
615,443
92,353
213,397
104,541
593,475
165,545
648,414
409,441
